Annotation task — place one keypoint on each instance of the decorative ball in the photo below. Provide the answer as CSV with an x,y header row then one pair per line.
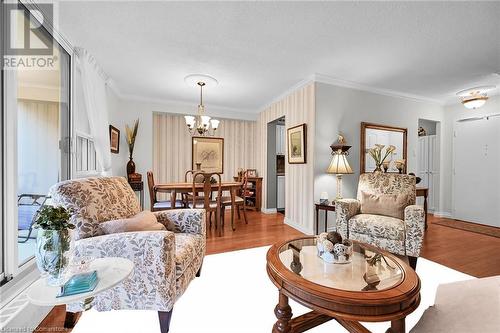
x,y
322,236
328,246
334,237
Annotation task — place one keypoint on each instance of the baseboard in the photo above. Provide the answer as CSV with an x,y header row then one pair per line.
x,y
443,214
269,210
298,227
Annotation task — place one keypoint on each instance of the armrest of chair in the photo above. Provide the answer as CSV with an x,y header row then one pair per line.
x,y
151,286
151,249
345,209
191,221
414,226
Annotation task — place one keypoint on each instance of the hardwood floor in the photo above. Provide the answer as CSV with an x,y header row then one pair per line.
x,y
262,229
468,252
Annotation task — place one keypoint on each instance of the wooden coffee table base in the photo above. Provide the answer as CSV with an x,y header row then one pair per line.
x,y
287,324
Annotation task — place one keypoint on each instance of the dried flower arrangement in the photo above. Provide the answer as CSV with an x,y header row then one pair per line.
x,y
376,154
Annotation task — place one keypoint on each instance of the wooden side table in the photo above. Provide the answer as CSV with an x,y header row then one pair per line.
x,y
139,187
423,192
330,207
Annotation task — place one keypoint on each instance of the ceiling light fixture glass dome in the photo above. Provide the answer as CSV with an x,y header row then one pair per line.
x,y
474,98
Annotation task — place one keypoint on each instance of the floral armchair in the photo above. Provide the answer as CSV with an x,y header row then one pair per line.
x,y
401,236
165,261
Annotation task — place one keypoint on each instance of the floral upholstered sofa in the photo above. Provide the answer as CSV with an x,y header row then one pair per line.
x,y
398,229
165,261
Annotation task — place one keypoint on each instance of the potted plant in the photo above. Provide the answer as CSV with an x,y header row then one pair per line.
x,y
54,243
131,135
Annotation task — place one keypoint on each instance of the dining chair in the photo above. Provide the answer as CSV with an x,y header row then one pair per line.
x,y
204,199
157,205
188,197
240,198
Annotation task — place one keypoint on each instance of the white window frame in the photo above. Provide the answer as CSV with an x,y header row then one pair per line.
x,y
23,275
78,155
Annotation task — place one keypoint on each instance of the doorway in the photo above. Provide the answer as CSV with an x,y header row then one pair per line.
x,y
276,151
429,161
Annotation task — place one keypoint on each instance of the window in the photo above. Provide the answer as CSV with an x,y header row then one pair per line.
x,y
36,136
86,159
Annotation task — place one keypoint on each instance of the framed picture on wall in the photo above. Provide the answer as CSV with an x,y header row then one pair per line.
x,y
209,153
297,145
114,139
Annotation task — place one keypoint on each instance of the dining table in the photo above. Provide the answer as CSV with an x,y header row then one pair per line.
x,y
186,187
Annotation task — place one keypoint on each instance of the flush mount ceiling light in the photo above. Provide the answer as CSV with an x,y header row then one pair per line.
x,y
474,98
201,124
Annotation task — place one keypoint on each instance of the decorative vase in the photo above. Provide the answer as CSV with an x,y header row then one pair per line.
x,y
377,168
130,166
54,249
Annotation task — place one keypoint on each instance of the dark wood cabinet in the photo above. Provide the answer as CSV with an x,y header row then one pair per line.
x,y
255,201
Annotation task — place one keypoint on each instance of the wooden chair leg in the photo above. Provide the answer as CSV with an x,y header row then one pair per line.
x,y
245,215
238,211
164,318
413,262
210,219
199,270
70,319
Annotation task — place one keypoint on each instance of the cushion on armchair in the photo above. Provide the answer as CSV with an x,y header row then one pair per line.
x,y
144,221
392,205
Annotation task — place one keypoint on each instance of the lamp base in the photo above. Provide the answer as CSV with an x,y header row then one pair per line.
x,y
339,187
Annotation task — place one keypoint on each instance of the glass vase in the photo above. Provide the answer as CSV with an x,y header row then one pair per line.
x,y
54,249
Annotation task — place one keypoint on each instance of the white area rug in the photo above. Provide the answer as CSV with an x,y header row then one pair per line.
x,y
235,295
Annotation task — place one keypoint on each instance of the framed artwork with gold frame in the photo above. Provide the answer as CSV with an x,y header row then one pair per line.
x,y
209,152
297,144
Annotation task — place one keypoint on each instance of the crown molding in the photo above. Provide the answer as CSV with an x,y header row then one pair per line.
x,y
215,110
289,91
321,78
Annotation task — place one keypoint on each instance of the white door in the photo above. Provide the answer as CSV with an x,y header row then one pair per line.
x,y
433,169
476,180
423,160
281,192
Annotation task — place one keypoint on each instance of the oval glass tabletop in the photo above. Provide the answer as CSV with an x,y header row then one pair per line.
x,y
368,271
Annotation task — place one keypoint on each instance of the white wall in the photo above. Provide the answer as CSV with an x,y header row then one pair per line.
x,y
341,110
452,113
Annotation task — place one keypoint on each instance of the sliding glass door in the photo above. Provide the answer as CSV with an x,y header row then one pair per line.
x,y
36,130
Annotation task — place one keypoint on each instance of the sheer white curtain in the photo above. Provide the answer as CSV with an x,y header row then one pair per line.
x,y
93,83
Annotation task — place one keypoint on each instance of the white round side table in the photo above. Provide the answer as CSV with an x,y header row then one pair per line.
x,y
110,271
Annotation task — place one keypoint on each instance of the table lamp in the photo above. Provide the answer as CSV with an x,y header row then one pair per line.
x,y
339,165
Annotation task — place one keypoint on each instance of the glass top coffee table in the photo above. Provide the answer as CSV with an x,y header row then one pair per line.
x,y
374,286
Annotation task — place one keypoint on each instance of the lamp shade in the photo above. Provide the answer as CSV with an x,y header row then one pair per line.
x,y
339,165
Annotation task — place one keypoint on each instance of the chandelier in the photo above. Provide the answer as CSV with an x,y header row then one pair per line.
x,y
474,98
201,124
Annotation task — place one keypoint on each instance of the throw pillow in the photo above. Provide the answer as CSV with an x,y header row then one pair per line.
x,y
392,205
144,221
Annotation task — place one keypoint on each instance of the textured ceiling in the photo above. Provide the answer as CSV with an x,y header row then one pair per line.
x,y
257,50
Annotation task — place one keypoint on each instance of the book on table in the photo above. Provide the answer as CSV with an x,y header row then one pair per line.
x,y
79,284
